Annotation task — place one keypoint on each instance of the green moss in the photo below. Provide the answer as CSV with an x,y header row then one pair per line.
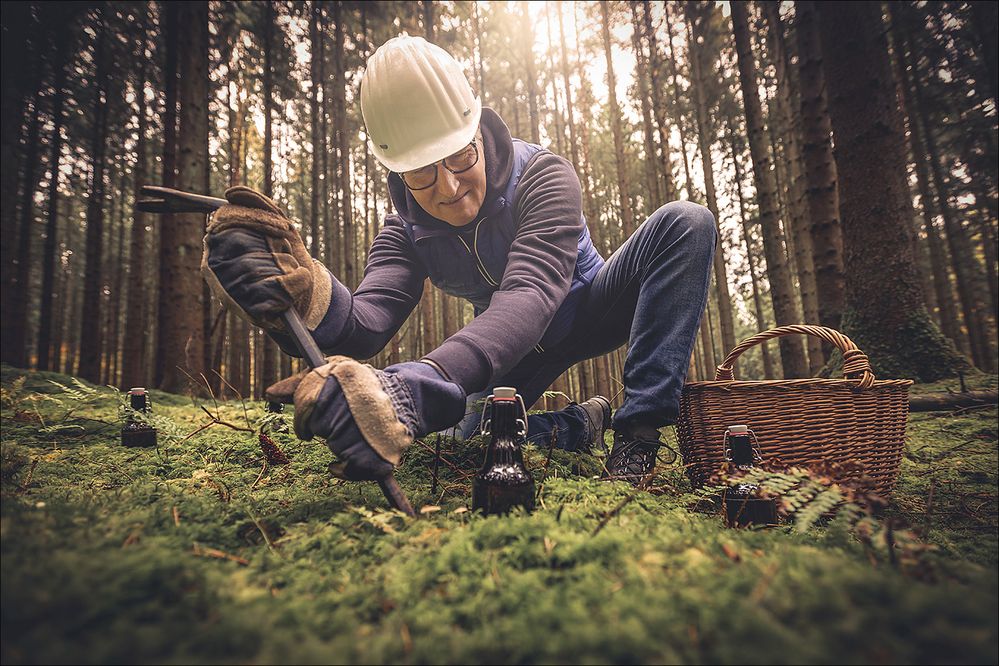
x,y
107,557
916,350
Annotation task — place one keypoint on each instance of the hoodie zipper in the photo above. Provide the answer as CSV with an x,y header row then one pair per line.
x,y
474,251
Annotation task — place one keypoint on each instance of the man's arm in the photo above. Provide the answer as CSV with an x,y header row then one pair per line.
x,y
548,204
359,325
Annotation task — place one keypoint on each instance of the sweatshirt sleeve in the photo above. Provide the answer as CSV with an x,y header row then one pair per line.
x,y
359,325
548,206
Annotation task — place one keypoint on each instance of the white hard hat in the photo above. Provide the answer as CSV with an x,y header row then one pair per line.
x,y
417,105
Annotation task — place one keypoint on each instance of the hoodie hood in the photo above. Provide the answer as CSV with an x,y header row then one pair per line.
x,y
497,149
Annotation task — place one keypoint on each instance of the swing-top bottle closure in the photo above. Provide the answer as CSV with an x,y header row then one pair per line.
x,y
744,431
504,394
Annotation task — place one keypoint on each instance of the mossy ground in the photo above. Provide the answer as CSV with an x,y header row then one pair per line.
x,y
187,553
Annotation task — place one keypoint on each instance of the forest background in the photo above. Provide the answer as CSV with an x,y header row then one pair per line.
x,y
847,150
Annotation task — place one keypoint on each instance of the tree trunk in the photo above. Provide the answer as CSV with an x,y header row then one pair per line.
x,y
317,55
705,133
985,27
962,257
133,352
171,11
269,351
91,333
51,250
181,290
531,82
658,105
884,313
761,322
821,189
627,216
584,100
21,45
653,198
346,188
790,125
573,151
792,349
559,134
676,100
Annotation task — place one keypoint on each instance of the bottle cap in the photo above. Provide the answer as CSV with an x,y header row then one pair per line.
x,y
738,430
504,393
137,390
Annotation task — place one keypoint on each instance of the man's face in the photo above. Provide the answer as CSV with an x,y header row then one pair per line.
x,y
455,198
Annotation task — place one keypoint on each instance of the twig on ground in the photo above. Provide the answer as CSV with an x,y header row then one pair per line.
x,y
200,551
437,463
627,500
23,486
263,470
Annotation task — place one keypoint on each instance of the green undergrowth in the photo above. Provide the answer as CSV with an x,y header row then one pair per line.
x,y
198,552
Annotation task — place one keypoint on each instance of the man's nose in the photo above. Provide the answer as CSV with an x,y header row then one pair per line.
x,y
447,183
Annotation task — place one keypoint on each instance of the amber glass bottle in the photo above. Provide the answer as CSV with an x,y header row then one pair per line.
x,y
503,482
743,505
134,432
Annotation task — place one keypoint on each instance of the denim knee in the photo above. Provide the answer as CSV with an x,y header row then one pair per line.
x,y
687,218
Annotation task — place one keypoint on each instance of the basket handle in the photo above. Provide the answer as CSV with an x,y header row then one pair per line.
x,y
855,362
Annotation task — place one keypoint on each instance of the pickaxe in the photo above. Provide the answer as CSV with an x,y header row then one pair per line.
x,y
167,200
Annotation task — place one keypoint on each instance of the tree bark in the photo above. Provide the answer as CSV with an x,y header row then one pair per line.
x,y
705,134
962,257
821,189
181,291
653,197
676,101
170,13
49,254
317,147
573,151
669,192
527,48
624,191
792,349
949,322
885,314
133,351
20,45
91,331
790,129
761,325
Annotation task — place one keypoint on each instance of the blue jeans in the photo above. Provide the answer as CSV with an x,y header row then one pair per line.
x,y
651,294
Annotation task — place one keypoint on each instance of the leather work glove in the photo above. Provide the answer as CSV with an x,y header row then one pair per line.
x,y
255,261
369,417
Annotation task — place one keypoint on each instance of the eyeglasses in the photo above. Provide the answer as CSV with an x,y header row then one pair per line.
x,y
426,177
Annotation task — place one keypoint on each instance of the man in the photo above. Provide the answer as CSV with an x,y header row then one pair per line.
x,y
496,221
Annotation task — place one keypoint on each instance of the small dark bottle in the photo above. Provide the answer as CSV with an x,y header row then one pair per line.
x,y
137,433
743,505
503,482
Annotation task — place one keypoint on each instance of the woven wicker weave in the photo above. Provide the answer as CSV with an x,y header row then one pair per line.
x,y
799,421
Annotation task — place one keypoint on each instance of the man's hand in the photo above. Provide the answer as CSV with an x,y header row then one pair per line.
x,y
369,417
255,260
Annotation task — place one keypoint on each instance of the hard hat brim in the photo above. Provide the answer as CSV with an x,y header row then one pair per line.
x,y
431,151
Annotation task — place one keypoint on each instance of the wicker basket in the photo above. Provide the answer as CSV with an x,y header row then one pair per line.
x,y
799,421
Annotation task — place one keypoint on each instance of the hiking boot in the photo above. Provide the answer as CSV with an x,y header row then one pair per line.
x,y
632,459
597,416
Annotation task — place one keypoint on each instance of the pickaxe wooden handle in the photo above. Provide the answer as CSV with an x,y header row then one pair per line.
x,y
168,200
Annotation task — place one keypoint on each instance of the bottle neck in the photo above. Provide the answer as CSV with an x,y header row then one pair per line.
x,y
741,447
504,446
503,419
138,402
